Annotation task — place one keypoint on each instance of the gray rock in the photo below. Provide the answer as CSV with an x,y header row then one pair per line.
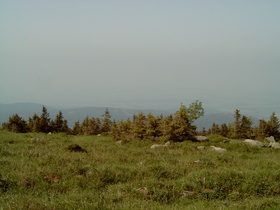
x,y
253,143
218,149
202,138
274,145
271,139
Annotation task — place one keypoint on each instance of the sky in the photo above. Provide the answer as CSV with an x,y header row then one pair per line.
x,y
140,54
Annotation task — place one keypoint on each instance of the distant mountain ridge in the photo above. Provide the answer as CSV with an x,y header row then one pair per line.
x,y
72,115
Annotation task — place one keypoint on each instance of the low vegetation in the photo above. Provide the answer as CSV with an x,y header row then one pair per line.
x,y
59,171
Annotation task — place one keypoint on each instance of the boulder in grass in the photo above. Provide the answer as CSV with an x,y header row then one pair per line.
x,y
201,138
273,143
218,149
160,145
253,143
200,147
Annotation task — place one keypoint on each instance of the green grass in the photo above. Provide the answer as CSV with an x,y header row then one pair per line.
x,y
104,175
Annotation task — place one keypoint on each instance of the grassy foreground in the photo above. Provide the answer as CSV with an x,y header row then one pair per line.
x,y
39,171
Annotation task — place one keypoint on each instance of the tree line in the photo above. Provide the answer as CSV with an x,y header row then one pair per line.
x,y
242,128
45,124
175,127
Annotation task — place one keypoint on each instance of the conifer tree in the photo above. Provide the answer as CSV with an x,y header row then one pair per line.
x,y
180,129
94,126
122,130
153,129
76,129
35,124
15,124
85,126
106,122
215,129
245,127
59,124
237,124
261,131
164,123
224,130
272,126
45,121
139,126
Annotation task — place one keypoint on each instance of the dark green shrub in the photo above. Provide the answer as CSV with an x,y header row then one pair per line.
x,y
6,185
75,148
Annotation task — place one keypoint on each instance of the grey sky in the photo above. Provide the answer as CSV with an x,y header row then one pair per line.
x,y
152,54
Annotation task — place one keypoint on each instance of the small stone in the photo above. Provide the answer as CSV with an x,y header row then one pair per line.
x,y
202,138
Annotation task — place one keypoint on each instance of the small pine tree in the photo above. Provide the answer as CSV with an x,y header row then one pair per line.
x,y
245,127
180,129
153,129
215,129
272,126
224,130
261,130
237,124
34,124
45,121
139,126
59,124
76,129
105,122
16,124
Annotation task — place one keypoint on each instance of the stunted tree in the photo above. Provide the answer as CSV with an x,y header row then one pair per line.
x,y
76,129
15,124
177,127
106,122
121,130
153,128
272,126
59,124
195,111
139,128
215,129
90,126
164,123
237,123
34,123
45,121
224,130
245,127
261,129
181,129
94,126
85,126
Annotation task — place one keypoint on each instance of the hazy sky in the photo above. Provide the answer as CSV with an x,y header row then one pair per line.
x,y
148,53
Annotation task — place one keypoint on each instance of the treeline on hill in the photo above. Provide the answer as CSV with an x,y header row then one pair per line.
x,y
242,128
45,124
177,127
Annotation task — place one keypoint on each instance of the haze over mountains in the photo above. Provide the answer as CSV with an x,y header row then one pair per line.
x,y
26,110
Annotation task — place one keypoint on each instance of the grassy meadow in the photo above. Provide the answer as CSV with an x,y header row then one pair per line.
x,y
39,171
